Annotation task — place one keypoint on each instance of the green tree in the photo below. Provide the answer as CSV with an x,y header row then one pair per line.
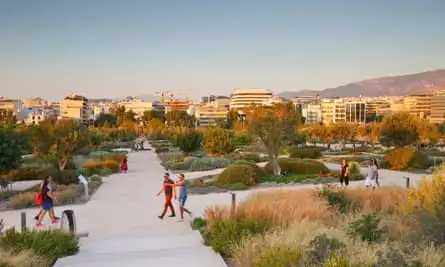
x,y
231,118
42,137
399,130
218,141
153,114
274,126
110,120
343,132
188,140
180,118
70,136
7,117
10,150
371,132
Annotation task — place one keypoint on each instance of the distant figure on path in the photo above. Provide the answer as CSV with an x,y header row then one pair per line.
x,y
48,202
183,193
344,173
371,175
377,173
169,191
124,164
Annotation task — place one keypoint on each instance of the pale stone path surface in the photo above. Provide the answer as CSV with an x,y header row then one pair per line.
x,y
125,230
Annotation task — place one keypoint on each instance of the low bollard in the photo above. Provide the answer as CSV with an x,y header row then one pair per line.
x,y
407,181
23,220
68,221
233,208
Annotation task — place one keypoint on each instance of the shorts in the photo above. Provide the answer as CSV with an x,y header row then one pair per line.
x,y
47,205
182,200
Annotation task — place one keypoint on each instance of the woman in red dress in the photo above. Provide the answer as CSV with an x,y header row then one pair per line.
x,y
124,165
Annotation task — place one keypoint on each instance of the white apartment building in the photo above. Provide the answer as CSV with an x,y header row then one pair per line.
x,y
75,107
242,98
100,108
35,117
13,105
138,106
311,113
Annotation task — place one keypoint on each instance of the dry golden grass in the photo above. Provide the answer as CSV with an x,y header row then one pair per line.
x,y
280,207
386,199
22,259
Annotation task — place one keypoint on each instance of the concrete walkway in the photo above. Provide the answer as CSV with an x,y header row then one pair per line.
x,y
125,230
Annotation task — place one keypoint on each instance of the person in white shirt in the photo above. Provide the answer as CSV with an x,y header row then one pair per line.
x,y
370,180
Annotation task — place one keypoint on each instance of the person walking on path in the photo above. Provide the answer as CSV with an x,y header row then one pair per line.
x,y
52,213
376,172
48,202
124,164
344,173
183,193
370,180
169,192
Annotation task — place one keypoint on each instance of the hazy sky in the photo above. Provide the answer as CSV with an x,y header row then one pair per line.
x,y
109,48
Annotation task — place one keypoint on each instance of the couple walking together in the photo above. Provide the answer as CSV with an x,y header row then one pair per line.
x,y
372,177
169,189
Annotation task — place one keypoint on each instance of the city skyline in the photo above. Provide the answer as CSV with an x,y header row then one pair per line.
x,y
112,49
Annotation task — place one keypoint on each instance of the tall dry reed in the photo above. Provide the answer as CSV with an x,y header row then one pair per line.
x,y
22,259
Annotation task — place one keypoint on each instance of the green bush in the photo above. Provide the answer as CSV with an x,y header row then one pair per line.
x,y
65,177
419,161
52,244
30,173
223,234
305,153
237,173
188,141
354,171
200,165
337,199
279,256
299,166
367,228
199,224
259,172
105,172
242,140
85,172
402,158
322,248
253,157
237,186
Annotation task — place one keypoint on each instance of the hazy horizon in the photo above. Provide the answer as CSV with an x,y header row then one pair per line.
x,y
114,49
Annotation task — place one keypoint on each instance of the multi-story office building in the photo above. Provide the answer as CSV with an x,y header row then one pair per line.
x,y
138,106
242,98
75,107
176,104
375,107
342,110
15,106
438,107
210,115
418,105
101,108
355,112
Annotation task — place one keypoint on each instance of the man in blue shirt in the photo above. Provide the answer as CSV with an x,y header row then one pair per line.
x,y
183,193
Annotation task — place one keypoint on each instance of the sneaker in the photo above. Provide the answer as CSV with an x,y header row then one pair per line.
x,y
38,225
171,216
36,218
55,221
56,218
160,217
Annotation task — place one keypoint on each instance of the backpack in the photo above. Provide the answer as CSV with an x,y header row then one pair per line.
x,y
39,198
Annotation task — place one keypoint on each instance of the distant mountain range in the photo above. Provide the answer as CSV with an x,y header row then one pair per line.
x,y
418,83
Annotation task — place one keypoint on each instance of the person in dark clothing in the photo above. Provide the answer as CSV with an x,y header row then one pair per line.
x,y
377,172
344,173
169,192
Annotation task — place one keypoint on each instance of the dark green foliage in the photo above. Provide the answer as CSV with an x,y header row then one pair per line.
x,y
431,225
199,224
257,169
305,153
396,258
337,199
106,119
299,166
322,248
398,137
52,244
367,228
224,233
188,141
238,173
419,161
10,150
242,140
